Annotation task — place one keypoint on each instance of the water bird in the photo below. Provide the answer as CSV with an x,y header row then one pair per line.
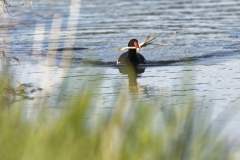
x,y
131,56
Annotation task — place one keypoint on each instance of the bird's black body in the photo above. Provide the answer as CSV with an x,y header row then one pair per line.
x,y
131,56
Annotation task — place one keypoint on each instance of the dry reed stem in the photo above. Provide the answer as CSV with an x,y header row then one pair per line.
x,y
149,42
6,5
4,58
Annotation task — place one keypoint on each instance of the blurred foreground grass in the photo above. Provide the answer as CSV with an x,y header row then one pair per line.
x,y
133,130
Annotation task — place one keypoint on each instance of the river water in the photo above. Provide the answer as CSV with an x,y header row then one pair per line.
x,y
74,42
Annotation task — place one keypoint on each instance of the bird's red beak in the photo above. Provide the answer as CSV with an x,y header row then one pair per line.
x,y
136,44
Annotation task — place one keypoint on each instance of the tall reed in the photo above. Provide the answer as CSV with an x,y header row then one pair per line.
x,y
133,130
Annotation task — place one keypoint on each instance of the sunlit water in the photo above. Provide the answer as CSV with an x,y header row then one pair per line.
x,y
204,58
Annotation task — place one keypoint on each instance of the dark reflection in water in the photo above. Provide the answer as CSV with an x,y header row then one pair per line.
x,y
132,71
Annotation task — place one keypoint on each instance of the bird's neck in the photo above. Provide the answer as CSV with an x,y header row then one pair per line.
x,y
132,52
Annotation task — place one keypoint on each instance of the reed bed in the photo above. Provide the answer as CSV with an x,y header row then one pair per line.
x,y
133,130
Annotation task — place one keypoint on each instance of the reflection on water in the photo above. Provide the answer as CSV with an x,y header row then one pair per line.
x,y
132,72
216,85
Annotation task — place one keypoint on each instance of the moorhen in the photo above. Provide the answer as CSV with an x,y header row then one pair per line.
x,y
131,57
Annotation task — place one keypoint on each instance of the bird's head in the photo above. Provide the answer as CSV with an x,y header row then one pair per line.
x,y
133,43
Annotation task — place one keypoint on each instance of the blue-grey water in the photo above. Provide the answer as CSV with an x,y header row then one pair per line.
x,y
75,42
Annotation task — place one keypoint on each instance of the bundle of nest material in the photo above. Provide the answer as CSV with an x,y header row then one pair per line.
x,y
149,41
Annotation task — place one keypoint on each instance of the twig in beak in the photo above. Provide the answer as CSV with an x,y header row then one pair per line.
x,y
149,41
146,42
172,36
165,43
123,48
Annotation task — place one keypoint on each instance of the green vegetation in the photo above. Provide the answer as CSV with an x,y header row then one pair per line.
x,y
133,131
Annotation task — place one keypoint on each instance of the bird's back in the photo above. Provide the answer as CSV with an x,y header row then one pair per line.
x,y
126,59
